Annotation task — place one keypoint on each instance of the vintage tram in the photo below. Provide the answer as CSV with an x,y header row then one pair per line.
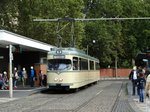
x,y
71,68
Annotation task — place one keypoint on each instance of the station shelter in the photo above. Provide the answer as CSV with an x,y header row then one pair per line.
x,y
26,52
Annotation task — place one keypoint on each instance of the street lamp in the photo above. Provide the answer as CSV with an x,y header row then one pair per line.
x,y
93,41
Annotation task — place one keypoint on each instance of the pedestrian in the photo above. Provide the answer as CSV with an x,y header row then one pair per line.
x,y
32,76
140,69
1,81
141,85
24,77
40,78
133,77
147,72
147,87
5,80
15,77
44,80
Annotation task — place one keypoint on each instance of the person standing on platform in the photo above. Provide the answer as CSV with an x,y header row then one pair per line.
x,y
40,78
133,77
24,77
1,81
16,77
141,85
147,87
139,70
32,76
5,78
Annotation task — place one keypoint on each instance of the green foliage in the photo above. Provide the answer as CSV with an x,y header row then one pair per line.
x,y
49,9
8,15
120,40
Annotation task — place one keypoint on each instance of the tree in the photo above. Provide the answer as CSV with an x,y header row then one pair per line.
x,y
127,38
120,40
8,15
48,9
107,33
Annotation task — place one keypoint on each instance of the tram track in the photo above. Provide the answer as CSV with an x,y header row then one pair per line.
x,y
106,96
84,104
121,104
60,96
117,99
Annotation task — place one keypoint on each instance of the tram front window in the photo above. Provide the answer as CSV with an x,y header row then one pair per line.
x,y
59,64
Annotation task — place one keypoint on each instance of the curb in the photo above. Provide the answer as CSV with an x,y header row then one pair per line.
x,y
114,78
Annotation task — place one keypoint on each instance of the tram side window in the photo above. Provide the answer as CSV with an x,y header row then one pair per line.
x,y
91,65
75,63
97,66
83,64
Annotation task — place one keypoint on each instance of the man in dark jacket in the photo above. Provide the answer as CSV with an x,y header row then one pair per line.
x,y
141,82
32,76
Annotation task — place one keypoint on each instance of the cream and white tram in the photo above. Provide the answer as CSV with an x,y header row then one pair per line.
x,y
71,68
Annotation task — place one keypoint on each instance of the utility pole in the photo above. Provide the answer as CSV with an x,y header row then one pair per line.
x,y
116,67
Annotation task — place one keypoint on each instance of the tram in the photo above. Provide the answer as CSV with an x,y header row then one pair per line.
x,y
71,68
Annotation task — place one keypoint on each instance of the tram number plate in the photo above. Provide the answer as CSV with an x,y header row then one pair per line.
x,y
59,56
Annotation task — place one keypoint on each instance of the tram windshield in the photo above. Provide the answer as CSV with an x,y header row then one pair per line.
x,y
59,64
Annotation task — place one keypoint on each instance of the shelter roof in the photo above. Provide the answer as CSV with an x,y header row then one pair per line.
x,y
7,38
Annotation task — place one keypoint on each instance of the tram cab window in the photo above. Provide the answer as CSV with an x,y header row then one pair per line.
x,y
75,63
91,65
59,64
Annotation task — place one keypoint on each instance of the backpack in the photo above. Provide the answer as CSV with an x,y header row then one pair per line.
x,y
141,83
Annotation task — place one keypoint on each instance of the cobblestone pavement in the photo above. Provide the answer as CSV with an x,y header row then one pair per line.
x,y
122,104
134,101
96,98
18,93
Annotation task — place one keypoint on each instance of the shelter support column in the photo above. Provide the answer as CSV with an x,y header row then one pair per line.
x,y
10,72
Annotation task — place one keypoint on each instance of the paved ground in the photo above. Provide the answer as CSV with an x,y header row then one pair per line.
x,y
18,93
24,92
136,105
96,98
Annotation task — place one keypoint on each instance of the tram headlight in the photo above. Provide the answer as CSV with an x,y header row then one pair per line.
x,y
60,80
56,79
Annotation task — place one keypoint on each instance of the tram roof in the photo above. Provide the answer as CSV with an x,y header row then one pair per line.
x,y
71,51
7,38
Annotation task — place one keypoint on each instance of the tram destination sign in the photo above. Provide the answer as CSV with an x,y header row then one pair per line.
x,y
59,56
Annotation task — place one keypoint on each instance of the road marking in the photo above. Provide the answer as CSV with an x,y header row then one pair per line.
x,y
120,93
34,89
99,92
3,100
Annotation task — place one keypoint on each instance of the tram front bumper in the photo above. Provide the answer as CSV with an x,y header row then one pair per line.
x,y
59,85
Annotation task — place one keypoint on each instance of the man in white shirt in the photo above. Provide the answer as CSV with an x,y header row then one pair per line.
x,y
133,78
